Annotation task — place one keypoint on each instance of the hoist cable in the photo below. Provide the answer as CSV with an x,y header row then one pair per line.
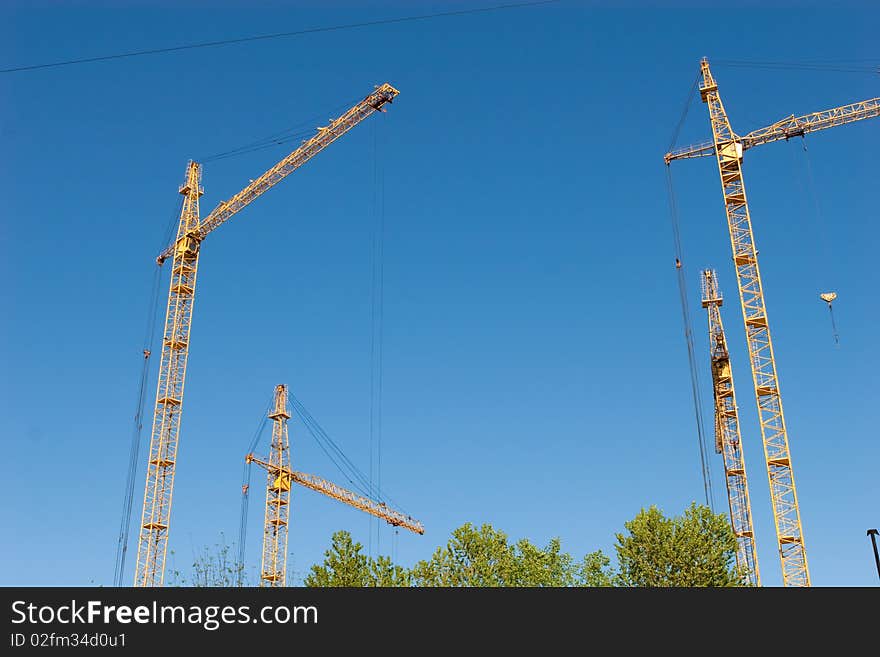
x,y
689,340
686,319
137,432
245,494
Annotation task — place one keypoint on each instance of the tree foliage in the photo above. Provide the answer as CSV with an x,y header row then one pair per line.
x,y
694,549
345,564
596,570
212,566
697,548
472,557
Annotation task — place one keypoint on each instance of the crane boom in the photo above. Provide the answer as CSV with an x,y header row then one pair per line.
x,y
793,126
311,147
797,126
728,440
378,509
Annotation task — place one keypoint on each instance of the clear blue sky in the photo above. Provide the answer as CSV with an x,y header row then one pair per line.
x,y
535,371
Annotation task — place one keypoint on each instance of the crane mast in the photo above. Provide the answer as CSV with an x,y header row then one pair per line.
x,y
191,230
153,536
273,571
728,440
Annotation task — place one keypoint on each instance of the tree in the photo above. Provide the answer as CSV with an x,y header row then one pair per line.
x,y
212,567
484,557
595,570
472,557
344,565
384,573
695,549
550,566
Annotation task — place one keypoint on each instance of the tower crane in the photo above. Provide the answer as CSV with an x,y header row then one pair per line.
x,y
184,254
274,566
728,440
728,149
273,571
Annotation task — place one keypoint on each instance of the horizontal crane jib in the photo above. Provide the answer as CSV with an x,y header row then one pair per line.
x,y
311,147
378,509
793,126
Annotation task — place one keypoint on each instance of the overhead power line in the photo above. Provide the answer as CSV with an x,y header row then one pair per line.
x,y
277,35
835,66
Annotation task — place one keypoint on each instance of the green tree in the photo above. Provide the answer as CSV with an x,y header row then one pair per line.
x,y
484,557
384,573
549,566
595,570
697,548
344,565
472,557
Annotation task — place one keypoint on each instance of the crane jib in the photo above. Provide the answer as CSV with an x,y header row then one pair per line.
x,y
324,136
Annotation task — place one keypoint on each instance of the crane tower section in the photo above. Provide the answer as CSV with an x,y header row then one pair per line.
x,y
155,517
728,440
274,567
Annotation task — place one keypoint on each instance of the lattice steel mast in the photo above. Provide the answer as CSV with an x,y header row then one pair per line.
x,y
728,148
728,440
274,566
153,537
156,515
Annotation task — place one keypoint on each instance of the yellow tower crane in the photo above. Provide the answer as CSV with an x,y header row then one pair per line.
x,y
728,148
273,571
184,252
274,566
728,440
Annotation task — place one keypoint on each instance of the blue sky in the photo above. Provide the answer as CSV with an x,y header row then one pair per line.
x,y
534,371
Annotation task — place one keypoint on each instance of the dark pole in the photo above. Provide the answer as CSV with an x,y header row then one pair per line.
x,y
873,534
